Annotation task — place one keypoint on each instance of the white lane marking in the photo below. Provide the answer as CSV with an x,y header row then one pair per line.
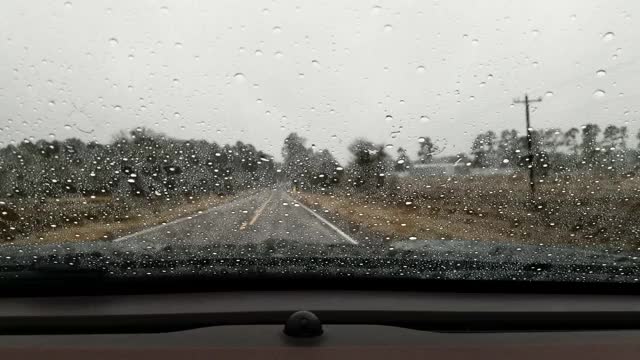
x,y
333,227
191,217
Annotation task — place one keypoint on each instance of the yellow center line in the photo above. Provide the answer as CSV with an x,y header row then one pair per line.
x,y
257,214
260,210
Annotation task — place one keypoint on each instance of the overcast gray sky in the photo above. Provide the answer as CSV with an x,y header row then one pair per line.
x,y
390,71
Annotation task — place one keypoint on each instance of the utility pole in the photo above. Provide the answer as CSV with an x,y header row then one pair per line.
x,y
530,155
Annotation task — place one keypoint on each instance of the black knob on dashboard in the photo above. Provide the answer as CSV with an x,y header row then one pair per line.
x,y
303,324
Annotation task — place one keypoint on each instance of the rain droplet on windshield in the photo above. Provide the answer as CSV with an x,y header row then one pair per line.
x,y
608,36
601,73
599,94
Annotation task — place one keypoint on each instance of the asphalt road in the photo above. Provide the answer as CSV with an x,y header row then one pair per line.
x,y
267,214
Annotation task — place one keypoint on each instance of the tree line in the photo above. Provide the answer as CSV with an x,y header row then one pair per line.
x,y
589,148
143,163
585,149
140,163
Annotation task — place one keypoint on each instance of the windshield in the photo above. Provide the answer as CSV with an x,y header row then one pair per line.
x,y
427,139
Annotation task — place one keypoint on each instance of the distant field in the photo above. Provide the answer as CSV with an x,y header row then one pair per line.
x,y
579,210
80,218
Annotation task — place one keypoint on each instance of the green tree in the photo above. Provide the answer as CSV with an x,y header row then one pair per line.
x,y
427,149
509,147
403,162
296,159
370,164
571,140
590,144
484,149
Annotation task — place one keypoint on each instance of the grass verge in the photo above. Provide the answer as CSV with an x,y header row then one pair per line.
x,y
587,211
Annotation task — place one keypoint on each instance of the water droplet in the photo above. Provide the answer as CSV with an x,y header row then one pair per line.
x,y
315,63
505,161
277,29
239,77
178,45
278,54
421,140
68,4
117,107
599,94
420,69
475,42
176,115
113,41
52,102
549,94
164,10
67,127
608,36
388,28
424,119
388,118
258,52
376,10
601,73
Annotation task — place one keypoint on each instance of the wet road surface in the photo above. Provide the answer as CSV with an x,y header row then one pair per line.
x,y
267,214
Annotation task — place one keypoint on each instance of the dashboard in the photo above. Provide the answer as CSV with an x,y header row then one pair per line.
x,y
355,324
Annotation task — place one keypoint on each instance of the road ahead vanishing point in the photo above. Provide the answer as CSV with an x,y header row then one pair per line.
x,y
268,214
